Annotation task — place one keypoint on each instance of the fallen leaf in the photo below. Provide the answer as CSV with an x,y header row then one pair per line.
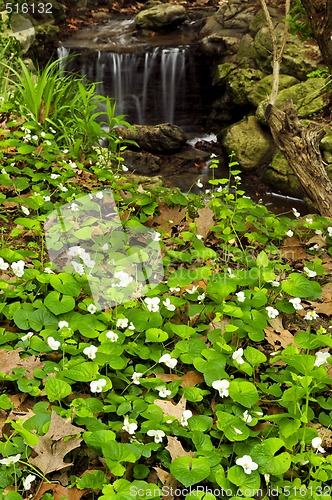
x,y
168,214
169,483
59,492
277,336
176,449
52,449
190,379
293,249
169,409
11,360
204,221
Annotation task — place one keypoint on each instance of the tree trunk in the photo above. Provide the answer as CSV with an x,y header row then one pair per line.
x,y
301,149
320,17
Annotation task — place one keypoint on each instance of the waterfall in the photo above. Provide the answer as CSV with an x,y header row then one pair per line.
x,y
160,85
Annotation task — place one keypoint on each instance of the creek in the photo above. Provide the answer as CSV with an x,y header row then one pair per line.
x,y
156,78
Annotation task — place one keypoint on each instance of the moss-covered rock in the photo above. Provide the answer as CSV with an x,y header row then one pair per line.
x,y
281,176
262,89
221,73
246,55
252,144
240,83
308,98
160,16
299,58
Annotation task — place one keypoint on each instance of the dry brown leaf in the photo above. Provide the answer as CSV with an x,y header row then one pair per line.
x,y
204,221
277,333
52,449
169,214
11,359
318,239
59,492
293,249
168,481
323,307
176,449
172,410
190,379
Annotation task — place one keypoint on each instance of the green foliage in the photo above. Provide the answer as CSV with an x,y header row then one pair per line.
x,y
192,377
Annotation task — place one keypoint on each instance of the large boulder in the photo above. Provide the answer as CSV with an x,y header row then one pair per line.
x,y
281,176
162,138
240,83
160,16
23,30
253,146
262,89
308,98
300,57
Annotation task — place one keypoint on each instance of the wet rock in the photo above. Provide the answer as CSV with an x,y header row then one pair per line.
x,y
253,146
162,138
160,16
308,98
143,162
240,83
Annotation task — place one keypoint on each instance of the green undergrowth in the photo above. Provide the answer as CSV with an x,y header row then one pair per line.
x,y
213,383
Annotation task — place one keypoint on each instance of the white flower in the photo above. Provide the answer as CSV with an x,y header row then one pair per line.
x,y
75,251
27,336
48,270
201,297
274,283
124,278
199,236
199,183
128,427
318,231
321,358
296,213
237,178
74,207
311,315
240,296
329,230
152,303
309,220
122,322
62,188
155,235
18,268
163,392
90,351
105,246
124,168
91,308
169,306
48,143
174,289
35,137
316,443
222,387
25,210
136,377
237,356
99,195
97,385
247,417
43,133
78,268
185,416
3,265
156,434
247,464
296,303
272,312
310,273
55,176
10,460
236,430
168,360
192,290
230,272
46,198
28,480
131,326
54,132
72,164
112,336
289,233
4,171
314,247
63,324
53,344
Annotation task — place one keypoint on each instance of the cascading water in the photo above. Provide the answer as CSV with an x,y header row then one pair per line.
x,y
160,85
